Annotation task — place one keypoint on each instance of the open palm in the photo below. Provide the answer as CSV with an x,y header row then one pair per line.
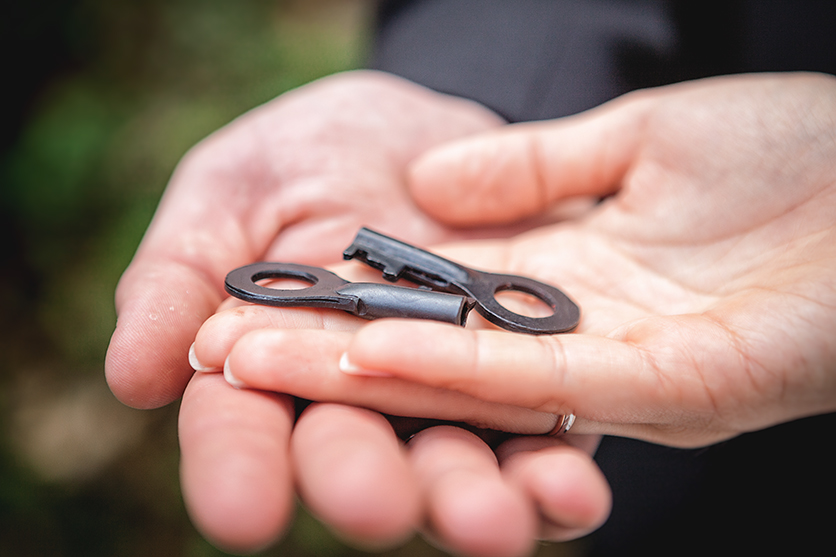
x,y
706,278
294,180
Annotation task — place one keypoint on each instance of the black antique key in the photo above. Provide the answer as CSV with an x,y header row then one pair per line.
x,y
364,299
448,290
399,260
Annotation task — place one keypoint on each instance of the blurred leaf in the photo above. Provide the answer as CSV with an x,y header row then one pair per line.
x,y
122,89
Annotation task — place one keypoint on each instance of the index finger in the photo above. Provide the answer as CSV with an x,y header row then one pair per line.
x,y
613,386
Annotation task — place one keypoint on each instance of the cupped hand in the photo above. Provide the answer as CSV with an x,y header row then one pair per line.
x,y
706,278
291,180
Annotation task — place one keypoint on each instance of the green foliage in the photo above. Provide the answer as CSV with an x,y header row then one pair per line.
x,y
116,93
146,81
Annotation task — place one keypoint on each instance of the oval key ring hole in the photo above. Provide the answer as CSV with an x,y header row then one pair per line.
x,y
284,280
523,303
284,283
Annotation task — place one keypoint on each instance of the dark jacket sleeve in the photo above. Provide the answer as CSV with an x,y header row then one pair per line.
x,y
763,493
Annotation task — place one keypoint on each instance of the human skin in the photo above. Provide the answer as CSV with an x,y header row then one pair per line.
x,y
706,278
293,180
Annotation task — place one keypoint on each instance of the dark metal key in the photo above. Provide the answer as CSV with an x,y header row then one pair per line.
x,y
327,290
399,260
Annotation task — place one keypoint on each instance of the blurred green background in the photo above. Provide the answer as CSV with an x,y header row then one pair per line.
x,y
102,99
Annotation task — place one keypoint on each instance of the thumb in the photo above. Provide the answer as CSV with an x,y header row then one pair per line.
x,y
522,169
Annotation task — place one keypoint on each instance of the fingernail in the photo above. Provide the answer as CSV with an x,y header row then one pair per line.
x,y
195,363
230,378
350,369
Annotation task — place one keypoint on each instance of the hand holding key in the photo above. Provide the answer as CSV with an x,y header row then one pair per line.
x,y
399,260
293,180
706,277
467,288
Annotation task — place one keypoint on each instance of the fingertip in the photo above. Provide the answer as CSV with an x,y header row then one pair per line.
x,y
262,358
252,356
440,166
196,364
580,497
482,516
144,379
219,333
353,476
231,378
468,182
242,533
235,467
160,312
570,491
520,170
472,510
349,368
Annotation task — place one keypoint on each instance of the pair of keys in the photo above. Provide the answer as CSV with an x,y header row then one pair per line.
x,y
447,291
